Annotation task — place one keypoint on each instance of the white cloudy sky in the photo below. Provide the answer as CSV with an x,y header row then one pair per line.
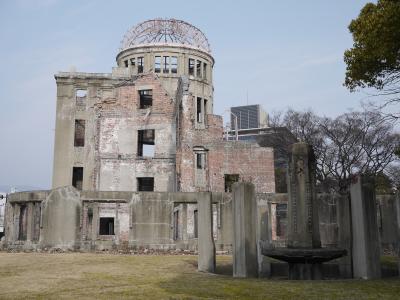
x,y
279,53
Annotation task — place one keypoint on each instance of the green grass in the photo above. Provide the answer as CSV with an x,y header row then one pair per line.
x,y
106,276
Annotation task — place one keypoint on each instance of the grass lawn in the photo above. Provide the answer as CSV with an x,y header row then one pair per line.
x,y
106,276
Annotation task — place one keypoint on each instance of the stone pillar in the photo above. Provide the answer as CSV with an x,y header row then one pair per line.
x,y
206,246
344,234
303,221
245,259
366,242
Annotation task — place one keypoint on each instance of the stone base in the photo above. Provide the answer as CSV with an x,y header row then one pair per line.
x,y
305,271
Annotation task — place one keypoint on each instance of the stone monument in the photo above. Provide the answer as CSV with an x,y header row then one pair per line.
x,y
303,252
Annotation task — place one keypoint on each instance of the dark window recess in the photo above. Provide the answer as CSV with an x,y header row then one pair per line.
x,y
191,66
79,138
198,69
200,160
204,70
126,63
196,225
106,226
146,143
176,225
281,220
205,109
230,179
145,98
157,64
174,64
166,64
23,221
140,64
77,177
145,184
133,62
199,111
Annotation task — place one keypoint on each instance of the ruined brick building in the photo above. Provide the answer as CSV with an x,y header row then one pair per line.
x,y
149,125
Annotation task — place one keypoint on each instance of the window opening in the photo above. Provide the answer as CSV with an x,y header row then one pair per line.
x,y
126,63
176,225
166,64
80,97
157,64
230,179
77,177
191,66
204,70
106,226
145,98
198,69
140,62
133,62
145,184
196,226
22,223
200,160
281,220
79,138
146,143
199,110
174,64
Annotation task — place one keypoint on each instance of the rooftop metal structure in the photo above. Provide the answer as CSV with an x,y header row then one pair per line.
x,y
170,32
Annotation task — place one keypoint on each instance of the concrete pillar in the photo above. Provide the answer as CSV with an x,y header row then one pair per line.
x,y
366,243
206,246
344,234
245,259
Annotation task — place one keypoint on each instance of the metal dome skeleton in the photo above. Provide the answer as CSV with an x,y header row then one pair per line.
x,y
165,32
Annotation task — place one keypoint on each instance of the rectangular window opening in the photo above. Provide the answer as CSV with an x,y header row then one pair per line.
x,y
79,138
191,66
198,69
133,62
200,160
196,226
140,62
174,64
199,110
205,109
146,145
166,64
204,70
145,184
157,64
126,63
106,226
176,225
77,177
80,97
22,232
145,99
230,179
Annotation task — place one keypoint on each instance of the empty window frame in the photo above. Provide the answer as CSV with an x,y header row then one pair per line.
x,y
204,71
230,179
176,225
80,97
199,110
174,64
145,98
198,69
166,65
126,63
77,177
157,64
191,66
106,226
196,225
79,137
140,64
133,62
200,160
146,143
23,222
145,184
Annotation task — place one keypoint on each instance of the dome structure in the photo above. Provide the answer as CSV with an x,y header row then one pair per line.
x,y
170,32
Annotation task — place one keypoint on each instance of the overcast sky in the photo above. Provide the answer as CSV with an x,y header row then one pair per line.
x,y
276,53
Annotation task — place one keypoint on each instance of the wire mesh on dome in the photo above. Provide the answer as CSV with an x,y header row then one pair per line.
x,y
165,32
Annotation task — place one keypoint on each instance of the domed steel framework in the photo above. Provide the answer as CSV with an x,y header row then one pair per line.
x,y
165,32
